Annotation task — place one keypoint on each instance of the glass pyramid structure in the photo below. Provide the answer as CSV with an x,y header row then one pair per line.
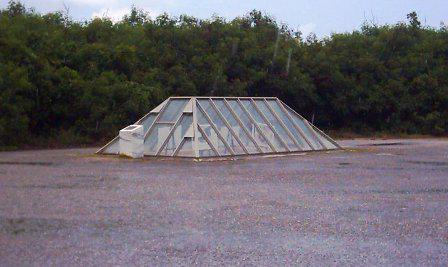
x,y
199,127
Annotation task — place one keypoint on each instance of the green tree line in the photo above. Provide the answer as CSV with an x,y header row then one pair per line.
x,y
69,82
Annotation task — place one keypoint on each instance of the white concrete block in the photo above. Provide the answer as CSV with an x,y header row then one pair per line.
x,y
131,141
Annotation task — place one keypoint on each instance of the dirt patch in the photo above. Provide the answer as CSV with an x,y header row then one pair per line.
x,y
18,226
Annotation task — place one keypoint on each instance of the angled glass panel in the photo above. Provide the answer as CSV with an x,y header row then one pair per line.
x,y
156,138
306,130
250,127
264,127
221,126
236,127
211,134
176,137
289,124
160,106
186,150
204,149
113,147
277,125
146,122
325,141
172,110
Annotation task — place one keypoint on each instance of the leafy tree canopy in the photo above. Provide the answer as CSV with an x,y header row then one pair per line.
x,y
70,82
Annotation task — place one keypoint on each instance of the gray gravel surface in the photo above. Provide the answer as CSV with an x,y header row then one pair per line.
x,y
380,202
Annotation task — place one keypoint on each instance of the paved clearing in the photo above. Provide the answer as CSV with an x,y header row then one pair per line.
x,y
382,202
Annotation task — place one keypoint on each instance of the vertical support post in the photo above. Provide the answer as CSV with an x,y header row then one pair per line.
x,y
195,129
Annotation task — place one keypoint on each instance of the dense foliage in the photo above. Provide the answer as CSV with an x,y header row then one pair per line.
x,y
80,82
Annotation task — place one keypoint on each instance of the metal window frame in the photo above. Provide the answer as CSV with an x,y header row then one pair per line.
x,y
193,139
291,119
162,111
195,128
254,122
170,133
235,116
325,136
306,124
152,111
213,105
215,128
178,147
270,125
288,132
209,142
176,151
144,117
221,97
156,120
314,134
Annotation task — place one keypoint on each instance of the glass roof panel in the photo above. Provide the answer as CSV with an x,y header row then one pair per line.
x,y
236,127
112,147
176,137
289,124
204,148
277,125
263,125
156,138
306,130
186,150
250,126
147,122
172,110
325,141
221,126
212,136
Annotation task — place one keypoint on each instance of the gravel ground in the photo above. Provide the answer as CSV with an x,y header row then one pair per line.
x,y
381,202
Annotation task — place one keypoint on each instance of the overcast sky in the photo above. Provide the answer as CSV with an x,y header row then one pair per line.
x,y
319,16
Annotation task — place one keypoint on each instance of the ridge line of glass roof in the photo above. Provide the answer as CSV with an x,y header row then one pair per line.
x,y
223,97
